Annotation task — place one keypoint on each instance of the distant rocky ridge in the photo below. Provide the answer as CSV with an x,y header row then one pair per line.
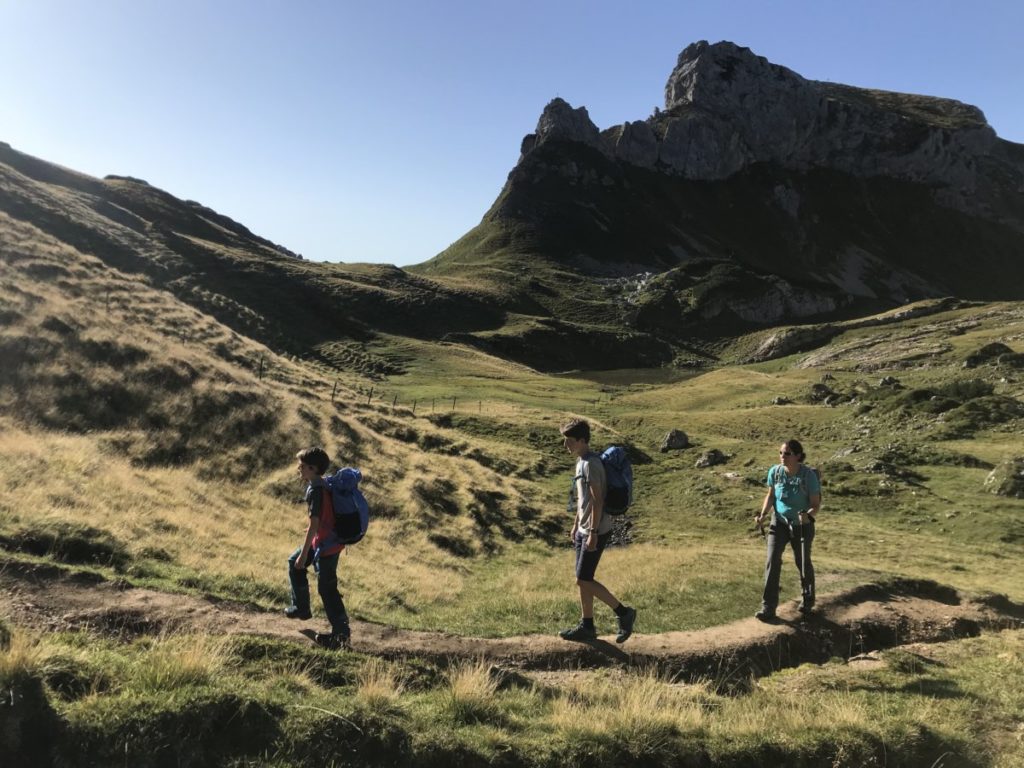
x,y
727,109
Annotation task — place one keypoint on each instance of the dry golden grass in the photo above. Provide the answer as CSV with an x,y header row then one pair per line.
x,y
380,684
175,661
471,691
645,709
22,657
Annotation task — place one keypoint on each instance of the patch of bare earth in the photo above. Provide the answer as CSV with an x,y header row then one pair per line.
x,y
846,624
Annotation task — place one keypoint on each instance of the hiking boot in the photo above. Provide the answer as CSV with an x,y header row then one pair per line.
x,y
579,633
765,614
331,641
294,612
626,623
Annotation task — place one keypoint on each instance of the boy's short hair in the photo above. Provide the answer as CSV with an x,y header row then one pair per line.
x,y
578,429
315,457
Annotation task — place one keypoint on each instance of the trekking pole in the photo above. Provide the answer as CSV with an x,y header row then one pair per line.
x,y
803,560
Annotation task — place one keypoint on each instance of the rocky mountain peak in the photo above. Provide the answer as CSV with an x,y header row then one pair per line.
x,y
559,121
725,75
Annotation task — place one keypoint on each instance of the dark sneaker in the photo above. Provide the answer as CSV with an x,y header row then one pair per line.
x,y
765,614
806,606
626,623
330,641
294,612
579,633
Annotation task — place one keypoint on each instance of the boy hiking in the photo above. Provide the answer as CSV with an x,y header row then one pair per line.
x,y
322,548
591,530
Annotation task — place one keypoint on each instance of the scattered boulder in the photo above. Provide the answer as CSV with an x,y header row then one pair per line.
x,y
781,401
842,453
675,440
828,377
1007,479
819,392
890,381
986,354
711,458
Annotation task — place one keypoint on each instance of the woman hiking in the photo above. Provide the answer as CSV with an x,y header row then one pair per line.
x,y
793,501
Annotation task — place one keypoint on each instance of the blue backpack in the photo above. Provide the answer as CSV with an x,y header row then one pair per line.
x,y
351,512
619,475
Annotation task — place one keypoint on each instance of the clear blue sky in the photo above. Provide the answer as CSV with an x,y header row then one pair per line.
x,y
382,131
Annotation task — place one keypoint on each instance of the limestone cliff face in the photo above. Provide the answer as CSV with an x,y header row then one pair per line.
x,y
727,109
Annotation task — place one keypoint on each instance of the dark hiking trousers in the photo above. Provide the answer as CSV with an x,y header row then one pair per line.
x,y
779,535
326,584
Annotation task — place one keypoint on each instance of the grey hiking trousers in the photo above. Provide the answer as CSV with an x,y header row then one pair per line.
x,y
779,535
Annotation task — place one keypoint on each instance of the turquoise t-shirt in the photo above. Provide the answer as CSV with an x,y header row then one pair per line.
x,y
793,494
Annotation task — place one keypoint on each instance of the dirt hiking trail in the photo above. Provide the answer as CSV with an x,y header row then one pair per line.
x,y
844,624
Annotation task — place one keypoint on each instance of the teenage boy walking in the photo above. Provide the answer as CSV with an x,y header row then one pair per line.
x,y
322,548
591,530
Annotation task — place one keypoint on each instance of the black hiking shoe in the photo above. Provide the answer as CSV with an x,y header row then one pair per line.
x,y
805,607
579,633
765,614
331,641
294,612
626,623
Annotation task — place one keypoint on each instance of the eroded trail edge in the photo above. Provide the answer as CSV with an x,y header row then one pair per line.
x,y
867,618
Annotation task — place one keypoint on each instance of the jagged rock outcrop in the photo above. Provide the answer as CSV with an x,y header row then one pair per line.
x,y
675,440
727,109
560,122
1007,479
710,458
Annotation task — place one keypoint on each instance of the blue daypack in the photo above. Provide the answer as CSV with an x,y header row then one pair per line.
x,y
351,512
619,476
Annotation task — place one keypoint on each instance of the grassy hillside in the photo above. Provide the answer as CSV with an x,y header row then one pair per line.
x,y
145,430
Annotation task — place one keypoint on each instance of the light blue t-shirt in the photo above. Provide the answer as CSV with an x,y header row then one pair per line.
x,y
793,494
